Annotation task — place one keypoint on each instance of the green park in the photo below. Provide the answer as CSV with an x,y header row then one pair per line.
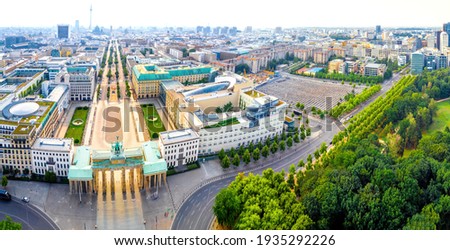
x,y
442,118
77,124
153,121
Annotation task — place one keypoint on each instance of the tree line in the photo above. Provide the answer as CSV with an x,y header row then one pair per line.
x,y
357,184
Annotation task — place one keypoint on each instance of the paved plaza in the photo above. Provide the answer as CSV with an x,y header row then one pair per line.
x,y
309,91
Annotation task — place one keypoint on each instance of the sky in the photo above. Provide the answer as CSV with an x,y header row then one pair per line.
x,y
239,13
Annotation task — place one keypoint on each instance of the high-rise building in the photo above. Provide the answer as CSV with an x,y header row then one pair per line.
x,y
378,29
77,26
233,31
248,29
199,29
444,41
431,41
446,28
63,31
207,30
11,40
417,62
278,30
437,34
224,30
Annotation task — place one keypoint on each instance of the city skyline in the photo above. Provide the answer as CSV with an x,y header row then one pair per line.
x,y
235,13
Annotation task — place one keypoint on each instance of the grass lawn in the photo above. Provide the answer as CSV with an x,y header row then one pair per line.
x,y
74,131
442,117
150,113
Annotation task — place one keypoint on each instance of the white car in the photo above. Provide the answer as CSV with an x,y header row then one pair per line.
x,y
25,199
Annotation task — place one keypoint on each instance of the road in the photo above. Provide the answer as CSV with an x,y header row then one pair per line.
x,y
196,212
28,215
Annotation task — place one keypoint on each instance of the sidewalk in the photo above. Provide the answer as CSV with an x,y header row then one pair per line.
x,y
54,199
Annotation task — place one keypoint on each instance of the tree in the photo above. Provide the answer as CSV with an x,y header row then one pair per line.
x,y
225,163
9,224
227,107
289,142
301,164
236,160
251,147
291,177
256,154
323,148
240,68
309,159
296,138
232,152
246,157
241,150
282,145
265,151
303,135
316,154
4,181
274,147
227,207
308,131
221,154
50,177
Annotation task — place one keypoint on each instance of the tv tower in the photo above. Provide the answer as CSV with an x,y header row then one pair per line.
x,y
90,19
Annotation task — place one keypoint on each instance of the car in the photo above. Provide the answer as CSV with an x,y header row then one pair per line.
x,y
4,195
25,199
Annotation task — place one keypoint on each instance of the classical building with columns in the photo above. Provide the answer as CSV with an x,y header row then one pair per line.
x,y
117,169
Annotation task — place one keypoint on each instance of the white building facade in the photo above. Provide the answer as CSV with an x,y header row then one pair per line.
x,y
52,154
179,147
81,81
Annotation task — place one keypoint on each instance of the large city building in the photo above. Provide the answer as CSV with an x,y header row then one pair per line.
x,y
22,122
63,31
431,59
417,63
81,81
146,79
252,117
374,69
52,155
179,147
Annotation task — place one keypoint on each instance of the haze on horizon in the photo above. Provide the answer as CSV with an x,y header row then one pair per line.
x,y
259,14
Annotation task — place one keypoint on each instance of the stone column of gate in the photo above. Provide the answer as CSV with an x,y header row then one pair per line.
x,y
104,181
124,183
113,183
141,178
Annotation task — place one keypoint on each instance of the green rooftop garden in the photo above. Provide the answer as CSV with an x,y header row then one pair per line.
x,y
22,130
231,121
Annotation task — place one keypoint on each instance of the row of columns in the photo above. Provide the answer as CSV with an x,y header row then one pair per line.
x,y
89,186
158,178
79,187
132,174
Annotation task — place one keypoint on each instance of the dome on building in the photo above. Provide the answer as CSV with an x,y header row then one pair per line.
x,y
24,109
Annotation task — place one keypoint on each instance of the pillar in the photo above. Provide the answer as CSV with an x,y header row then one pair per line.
x,y
113,184
141,177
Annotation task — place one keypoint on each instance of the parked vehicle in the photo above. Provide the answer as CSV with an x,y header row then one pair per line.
x,y
4,195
